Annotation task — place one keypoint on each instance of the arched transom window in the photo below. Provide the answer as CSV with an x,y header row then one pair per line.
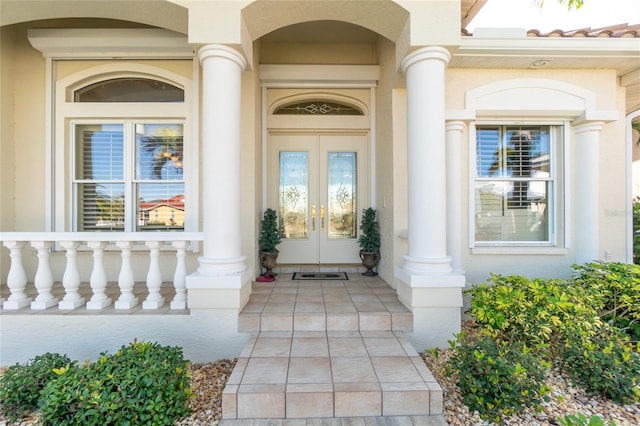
x,y
318,107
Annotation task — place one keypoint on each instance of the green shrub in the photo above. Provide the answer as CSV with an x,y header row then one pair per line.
x,y
606,365
581,420
538,312
143,383
498,379
20,385
636,230
614,289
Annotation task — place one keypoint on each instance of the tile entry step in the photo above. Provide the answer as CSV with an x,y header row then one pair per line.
x,y
359,303
330,374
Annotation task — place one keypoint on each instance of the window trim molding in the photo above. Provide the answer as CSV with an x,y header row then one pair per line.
x,y
63,111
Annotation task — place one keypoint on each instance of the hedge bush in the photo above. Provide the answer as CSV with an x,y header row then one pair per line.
x,y
143,383
497,378
538,312
614,289
606,365
526,324
20,385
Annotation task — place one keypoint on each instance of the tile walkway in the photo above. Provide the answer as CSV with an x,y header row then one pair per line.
x,y
329,352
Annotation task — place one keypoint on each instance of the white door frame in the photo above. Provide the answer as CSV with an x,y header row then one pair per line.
x,y
325,78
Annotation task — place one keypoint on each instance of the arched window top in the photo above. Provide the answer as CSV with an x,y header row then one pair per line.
x,y
129,89
317,107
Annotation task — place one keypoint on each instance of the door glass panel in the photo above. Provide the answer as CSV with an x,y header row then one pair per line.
x,y
294,194
342,195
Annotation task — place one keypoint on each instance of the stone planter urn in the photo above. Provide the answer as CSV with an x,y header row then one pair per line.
x,y
370,260
268,260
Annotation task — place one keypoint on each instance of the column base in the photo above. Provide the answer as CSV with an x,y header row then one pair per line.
x,y
221,267
427,266
219,291
436,303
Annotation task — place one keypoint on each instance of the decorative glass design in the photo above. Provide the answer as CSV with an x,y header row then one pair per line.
x,y
342,181
318,108
293,197
130,89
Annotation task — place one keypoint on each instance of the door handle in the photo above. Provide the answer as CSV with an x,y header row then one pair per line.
x,y
322,217
313,217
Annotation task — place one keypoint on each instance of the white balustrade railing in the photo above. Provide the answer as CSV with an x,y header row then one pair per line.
x,y
97,242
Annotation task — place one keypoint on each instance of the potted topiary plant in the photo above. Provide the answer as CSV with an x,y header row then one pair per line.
x,y
268,241
369,241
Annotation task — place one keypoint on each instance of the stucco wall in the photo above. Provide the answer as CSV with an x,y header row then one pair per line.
x,y
612,195
29,134
7,148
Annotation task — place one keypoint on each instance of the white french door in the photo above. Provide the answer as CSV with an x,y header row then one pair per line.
x,y
318,185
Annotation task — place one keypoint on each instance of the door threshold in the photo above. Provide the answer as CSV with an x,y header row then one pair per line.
x,y
320,268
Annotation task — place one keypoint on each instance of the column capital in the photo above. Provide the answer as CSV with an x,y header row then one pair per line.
x,y
455,126
425,53
592,126
222,51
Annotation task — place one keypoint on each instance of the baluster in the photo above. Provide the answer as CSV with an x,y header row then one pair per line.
x,y
44,278
17,278
179,282
154,277
98,279
71,278
126,281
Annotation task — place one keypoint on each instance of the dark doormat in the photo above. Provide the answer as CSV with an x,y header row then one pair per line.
x,y
320,276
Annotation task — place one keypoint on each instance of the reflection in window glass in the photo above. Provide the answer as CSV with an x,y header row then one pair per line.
x,y
109,196
514,181
99,174
160,207
159,151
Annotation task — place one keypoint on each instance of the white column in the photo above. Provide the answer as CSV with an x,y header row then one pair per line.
x,y
454,131
221,83
425,71
586,196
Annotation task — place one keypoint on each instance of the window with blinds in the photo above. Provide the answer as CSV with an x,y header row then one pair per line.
x,y
514,183
129,176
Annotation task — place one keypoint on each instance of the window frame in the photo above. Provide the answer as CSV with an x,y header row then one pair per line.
x,y
129,179
66,113
557,228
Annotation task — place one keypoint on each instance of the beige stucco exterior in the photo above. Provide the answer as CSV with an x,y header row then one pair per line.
x,y
348,34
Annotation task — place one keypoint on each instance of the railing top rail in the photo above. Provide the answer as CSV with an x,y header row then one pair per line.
x,y
101,236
